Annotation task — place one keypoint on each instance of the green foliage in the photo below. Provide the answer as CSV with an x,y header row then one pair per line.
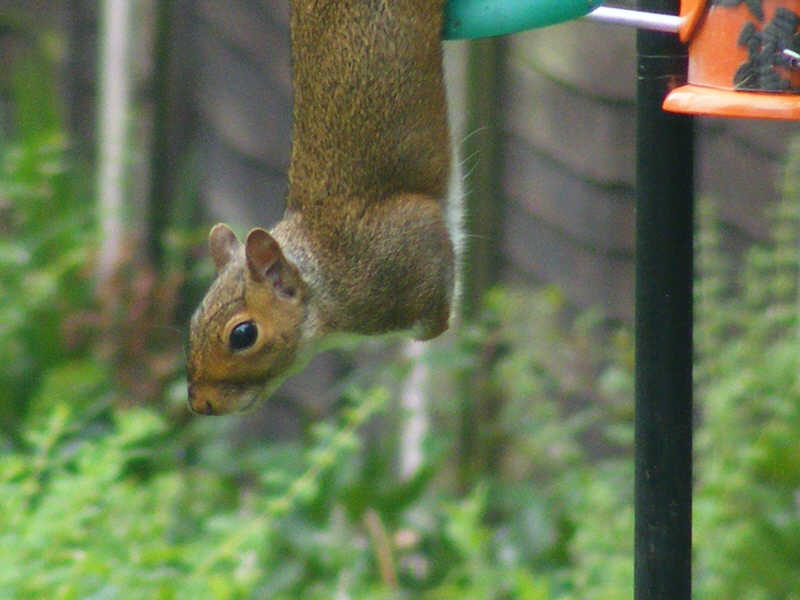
x,y
548,487
747,520
101,505
45,242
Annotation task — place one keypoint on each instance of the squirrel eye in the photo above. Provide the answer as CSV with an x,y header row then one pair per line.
x,y
243,336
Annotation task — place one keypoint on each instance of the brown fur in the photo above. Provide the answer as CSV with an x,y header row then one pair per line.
x,y
363,245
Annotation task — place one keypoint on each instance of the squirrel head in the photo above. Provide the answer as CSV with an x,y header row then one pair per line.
x,y
244,337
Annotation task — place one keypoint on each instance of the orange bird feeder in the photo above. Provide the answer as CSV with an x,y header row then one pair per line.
x,y
744,59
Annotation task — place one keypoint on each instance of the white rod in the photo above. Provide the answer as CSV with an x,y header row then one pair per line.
x,y
415,404
114,99
636,18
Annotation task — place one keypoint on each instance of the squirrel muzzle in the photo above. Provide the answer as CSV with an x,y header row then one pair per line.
x,y
223,398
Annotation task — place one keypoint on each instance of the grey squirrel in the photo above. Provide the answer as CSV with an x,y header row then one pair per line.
x,y
364,245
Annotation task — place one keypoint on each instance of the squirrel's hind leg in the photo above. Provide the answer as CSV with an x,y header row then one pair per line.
x,y
426,271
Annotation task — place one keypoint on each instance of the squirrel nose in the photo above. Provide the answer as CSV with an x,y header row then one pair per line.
x,y
198,405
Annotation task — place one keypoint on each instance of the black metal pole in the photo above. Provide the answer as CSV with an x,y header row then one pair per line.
x,y
664,249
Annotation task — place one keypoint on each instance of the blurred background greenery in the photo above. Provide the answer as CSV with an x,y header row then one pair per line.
x,y
110,489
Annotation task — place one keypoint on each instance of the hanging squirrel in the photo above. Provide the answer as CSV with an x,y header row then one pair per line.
x,y
364,245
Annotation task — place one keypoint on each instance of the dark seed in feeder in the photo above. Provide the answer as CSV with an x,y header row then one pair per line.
x,y
747,34
745,77
784,29
765,50
772,35
780,34
753,5
753,48
755,8
773,83
786,17
766,72
769,81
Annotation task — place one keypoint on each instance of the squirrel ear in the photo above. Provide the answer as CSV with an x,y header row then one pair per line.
x,y
262,251
222,245
266,261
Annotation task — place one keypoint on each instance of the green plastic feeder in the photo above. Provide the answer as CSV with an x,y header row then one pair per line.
x,y
469,19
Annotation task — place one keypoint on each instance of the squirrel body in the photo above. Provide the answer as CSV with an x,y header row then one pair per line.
x,y
363,246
